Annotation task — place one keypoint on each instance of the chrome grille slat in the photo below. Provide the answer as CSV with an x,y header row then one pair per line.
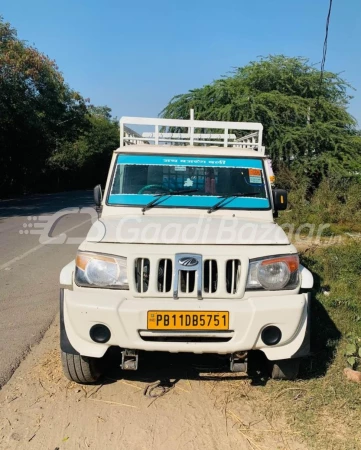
x,y
142,276
210,276
165,274
233,272
210,282
142,271
164,281
187,281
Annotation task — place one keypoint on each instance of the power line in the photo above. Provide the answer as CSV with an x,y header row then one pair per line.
x,y
324,53
325,41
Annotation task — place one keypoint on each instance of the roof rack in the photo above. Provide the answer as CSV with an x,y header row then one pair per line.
x,y
194,132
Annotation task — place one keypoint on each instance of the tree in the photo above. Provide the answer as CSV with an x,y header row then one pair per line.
x,y
38,112
306,122
85,162
100,111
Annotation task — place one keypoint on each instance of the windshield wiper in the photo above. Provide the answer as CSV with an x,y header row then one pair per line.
x,y
155,201
230,196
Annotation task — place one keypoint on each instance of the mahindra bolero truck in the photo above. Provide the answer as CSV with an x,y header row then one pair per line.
x,y
185,255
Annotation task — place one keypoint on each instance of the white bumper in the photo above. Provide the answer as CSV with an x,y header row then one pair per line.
x,y
126,317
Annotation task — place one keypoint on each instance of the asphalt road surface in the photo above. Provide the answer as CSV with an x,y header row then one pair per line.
x,y
30,265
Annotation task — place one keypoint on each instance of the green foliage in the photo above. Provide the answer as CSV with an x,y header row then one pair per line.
x,y
38,111
342,271
100,111
338,268
87,159
353,351
336,201
49,138
306,125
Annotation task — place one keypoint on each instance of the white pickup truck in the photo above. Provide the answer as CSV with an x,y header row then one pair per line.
x,y
186,256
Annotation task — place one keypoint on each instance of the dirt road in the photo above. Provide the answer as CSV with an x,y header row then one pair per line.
x,y
199,408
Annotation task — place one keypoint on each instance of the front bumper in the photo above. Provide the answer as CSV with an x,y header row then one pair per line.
x,y
126,317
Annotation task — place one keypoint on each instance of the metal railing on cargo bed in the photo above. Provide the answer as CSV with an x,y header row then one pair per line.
x,y
181,132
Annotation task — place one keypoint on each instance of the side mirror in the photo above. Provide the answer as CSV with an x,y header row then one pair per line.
x,y
98,196
280,199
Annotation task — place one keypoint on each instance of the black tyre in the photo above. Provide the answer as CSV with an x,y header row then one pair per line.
x,y
81,369
284,369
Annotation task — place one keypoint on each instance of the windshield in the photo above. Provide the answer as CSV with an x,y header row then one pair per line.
x,y
138,179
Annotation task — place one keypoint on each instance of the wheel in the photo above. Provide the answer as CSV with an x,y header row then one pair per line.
x,y
81,369
284,369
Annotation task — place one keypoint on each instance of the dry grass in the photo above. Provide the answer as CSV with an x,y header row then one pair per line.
x,y
322,405
320,410
242,405
324,410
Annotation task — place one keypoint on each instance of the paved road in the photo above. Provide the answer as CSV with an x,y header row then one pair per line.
x,y
29,269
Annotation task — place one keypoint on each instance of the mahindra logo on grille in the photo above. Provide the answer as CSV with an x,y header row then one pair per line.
x,y
185,263
188,262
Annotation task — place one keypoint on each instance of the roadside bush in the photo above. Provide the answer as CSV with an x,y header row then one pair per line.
x,y
337,272
336,200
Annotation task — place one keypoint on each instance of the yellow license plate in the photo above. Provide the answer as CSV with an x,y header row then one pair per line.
x,y
188,320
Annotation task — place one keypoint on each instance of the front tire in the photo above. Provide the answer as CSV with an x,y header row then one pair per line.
x,y
284,369
81,369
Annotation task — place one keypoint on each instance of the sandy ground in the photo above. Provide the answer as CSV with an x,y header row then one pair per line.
x,y
199,409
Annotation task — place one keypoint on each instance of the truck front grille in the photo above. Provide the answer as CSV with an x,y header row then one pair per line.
x,y
187,275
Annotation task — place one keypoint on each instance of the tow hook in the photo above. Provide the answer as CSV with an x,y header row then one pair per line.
x,y
238,362
129,360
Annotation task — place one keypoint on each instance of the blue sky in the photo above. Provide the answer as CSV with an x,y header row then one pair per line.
x,y
135,55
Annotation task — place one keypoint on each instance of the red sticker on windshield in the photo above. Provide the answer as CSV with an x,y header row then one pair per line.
x,y
254,172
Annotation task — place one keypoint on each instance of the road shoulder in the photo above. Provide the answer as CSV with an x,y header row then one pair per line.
x,y
40,409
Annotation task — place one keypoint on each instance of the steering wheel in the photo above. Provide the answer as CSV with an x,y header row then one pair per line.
x,y
153,187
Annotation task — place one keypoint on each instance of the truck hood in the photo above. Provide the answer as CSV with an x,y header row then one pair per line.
x,y
185,230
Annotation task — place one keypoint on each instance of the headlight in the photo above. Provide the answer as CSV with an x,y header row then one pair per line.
x,y
97,270
274,274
